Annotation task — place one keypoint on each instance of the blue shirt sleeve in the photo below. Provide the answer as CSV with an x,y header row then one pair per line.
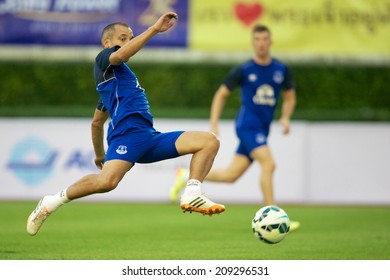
x,y
102,69
100,106
288,82
233,79
103,58
102,63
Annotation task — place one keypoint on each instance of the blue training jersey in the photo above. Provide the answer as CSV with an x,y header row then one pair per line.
x,y
260,89
120,93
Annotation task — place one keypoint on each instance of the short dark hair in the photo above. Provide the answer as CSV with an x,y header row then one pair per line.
x,y
260,28
109,29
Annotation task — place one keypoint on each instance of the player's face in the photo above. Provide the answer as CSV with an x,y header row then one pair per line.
x,y
121,36
262,43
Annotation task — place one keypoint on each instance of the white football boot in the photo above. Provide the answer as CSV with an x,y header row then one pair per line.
x,y
200,204
37,217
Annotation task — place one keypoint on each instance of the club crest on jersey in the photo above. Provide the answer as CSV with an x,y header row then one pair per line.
x,y
260,138
278,77
121,150
252,77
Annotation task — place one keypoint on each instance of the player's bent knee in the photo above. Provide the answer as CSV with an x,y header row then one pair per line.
x,y
106,185
213,142
269,165
231,178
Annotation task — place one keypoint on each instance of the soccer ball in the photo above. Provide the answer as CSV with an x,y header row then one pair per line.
x,y
270,224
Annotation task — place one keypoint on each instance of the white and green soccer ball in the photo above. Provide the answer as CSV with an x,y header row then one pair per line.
x,y
271,224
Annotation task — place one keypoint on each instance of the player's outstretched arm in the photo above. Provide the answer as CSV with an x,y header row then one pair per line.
x,y
129,49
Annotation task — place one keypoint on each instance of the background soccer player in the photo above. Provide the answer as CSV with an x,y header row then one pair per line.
x,y
261,80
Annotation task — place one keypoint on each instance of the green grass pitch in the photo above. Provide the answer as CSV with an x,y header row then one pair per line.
x,y
139,231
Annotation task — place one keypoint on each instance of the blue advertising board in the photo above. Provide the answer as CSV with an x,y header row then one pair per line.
x,y
80,22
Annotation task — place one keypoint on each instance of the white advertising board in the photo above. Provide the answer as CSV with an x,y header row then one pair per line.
x,y
331,163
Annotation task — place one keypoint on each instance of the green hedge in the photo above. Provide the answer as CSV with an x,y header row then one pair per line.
x,y
320,88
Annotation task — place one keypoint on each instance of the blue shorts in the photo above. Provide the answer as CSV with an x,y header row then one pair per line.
x,y
138,141
250,139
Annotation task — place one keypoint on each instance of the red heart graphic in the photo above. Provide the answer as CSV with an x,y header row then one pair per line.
x,y
248,13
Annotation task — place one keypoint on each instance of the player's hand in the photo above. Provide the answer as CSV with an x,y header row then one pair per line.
x,y
99,161
286,125
165,22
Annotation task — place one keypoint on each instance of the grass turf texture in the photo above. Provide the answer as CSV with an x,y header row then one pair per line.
x,y
135,231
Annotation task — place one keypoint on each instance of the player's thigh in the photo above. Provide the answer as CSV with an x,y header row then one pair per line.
x,y
263,155
114,170
193,141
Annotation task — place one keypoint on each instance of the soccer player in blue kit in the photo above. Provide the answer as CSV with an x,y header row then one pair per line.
x,y
261,80
131,136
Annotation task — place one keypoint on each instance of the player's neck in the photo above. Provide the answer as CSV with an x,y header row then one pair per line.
x,y
263,60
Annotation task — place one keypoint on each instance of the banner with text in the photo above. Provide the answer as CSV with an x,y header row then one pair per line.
x,y
323,27
349,28
80,22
